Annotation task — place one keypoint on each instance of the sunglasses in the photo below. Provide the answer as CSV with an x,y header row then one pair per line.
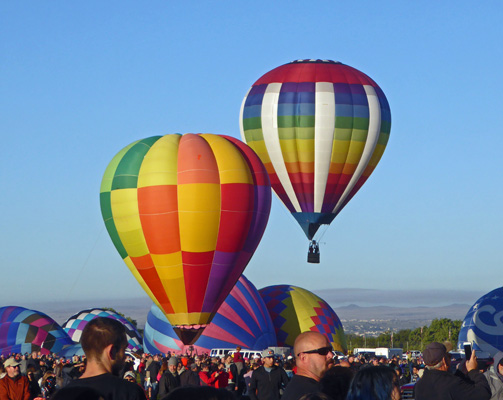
x,y
322,351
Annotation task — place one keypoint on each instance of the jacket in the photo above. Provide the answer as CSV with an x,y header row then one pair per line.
x,y
266,385
495,379
14,389
440,385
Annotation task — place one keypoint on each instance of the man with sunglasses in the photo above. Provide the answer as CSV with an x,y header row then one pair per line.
x,y
268,380
14,386
313,354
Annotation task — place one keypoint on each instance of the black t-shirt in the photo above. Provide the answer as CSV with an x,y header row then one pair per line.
x,y
299,386
111,387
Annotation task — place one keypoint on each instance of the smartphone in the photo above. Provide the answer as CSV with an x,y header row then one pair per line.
x,y
468,350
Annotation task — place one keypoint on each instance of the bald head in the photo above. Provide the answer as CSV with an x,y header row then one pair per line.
x,y
309,362
308,341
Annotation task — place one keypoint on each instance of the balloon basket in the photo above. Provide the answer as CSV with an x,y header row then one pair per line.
x,y
313,255
189,334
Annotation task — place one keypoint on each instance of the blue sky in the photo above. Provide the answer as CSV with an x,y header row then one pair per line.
x,y
81,80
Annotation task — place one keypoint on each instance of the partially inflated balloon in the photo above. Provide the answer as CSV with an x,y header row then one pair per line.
x,y
77,322
186,214
483,324
294,310
23,331
242,320
320,127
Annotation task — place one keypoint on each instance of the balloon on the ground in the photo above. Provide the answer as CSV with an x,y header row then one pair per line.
x,y
320,127
294,310
483,324
77,322
242,320
186,214
23,331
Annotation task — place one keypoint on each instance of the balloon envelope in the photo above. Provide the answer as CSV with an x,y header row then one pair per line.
x,y
23,331
320,128
77,322
186,214
294,310
242,320
483,324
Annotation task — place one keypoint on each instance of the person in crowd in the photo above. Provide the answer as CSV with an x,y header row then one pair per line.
x,y
402,379
232,370
438,383
414,377
494,376
335,382
374,383
267,381
48,386
104,343
170,380
205,376
238,359
33,385
313,354
14,386
220,376
190,377
152,371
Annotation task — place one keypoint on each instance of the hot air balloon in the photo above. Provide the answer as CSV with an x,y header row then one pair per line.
x,y
294,310
77,322
483,324
320,127
23,331
186,214
242,320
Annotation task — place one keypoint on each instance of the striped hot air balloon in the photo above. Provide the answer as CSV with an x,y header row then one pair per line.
x,y
186,214
320,128
242,320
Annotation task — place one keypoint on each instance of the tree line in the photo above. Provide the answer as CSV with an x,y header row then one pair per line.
x,y
440,330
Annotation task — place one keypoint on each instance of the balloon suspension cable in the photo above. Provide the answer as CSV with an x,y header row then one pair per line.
x,y
86,261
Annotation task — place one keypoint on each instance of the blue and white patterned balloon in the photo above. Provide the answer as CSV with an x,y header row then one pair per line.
x,y
483,325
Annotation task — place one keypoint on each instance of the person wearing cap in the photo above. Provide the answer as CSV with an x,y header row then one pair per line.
x,y
437,383
313,355
494,376
267,381
104,342
170,379
190,377
14,386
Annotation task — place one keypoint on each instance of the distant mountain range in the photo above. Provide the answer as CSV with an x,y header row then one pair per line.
x,y
354,317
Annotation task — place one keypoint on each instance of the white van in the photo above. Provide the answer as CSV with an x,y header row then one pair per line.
x,y
220,352
248,353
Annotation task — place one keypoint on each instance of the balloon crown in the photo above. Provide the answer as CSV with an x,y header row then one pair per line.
x,y
314,61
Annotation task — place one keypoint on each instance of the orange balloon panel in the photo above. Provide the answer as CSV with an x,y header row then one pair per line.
x,y
186,214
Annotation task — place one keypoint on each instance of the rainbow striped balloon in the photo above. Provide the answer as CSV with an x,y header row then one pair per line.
x,y
320,128
186,214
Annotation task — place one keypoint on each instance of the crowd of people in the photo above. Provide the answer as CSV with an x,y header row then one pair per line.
x,y
312,372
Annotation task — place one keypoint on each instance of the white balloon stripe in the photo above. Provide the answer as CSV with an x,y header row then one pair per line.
x,y
323,139
370,144
269,115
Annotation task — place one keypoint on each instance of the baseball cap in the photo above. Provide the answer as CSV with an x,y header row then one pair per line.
x,y
267,353
130,374
434,353
11,362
